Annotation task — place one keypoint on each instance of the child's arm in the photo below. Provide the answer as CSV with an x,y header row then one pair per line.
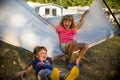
x,y
57,57
82,20
27,70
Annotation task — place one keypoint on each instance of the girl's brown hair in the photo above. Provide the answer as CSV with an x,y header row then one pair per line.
x,y
39,48
67,17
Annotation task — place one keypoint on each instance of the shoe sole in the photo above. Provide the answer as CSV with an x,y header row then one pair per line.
x,y
54,74
73,74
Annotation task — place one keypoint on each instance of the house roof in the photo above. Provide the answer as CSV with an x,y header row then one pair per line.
x,y
35,4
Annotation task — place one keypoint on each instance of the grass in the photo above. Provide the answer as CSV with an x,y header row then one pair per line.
x,y
103,64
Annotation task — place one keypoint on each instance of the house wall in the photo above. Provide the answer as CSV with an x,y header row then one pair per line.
x,y
75,10
54,10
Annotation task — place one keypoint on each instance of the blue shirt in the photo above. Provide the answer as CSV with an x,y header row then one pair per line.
x,y
41,64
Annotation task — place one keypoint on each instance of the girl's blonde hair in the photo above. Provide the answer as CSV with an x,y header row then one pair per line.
x,y
67,17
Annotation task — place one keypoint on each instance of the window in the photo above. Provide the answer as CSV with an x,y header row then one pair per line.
x,y
54,12
36,9
47,11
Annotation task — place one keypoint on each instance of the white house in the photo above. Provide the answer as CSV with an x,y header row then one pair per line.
x,y
75,10
47,10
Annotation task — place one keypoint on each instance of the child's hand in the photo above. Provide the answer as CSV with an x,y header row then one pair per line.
x,y
20,74
86,11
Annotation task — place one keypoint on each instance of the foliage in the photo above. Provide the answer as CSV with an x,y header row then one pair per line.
x,y
115,4
66,3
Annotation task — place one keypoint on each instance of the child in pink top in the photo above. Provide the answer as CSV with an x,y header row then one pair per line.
x,y
66,31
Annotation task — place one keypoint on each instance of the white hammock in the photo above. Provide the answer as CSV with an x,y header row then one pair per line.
x,y
21,26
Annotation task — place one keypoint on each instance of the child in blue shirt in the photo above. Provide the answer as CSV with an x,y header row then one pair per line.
x,y
43,68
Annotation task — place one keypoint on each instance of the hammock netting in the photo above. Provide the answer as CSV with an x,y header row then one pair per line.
x,y
21,26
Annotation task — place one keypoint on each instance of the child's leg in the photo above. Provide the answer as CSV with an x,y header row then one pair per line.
x,y
54,75
73,74
83,48
70,47
70,53
41,75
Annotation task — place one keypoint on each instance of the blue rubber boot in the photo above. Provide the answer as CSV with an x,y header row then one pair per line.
x,y
69,65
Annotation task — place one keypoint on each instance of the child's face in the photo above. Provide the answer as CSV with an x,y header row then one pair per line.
x,y
67,24
42,55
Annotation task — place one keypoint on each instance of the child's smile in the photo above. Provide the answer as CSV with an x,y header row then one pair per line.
x,y
42,55
67,24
